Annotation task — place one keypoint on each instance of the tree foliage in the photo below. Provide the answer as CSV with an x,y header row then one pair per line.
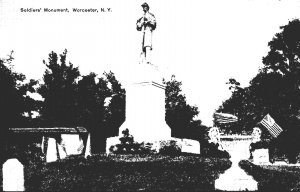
x,y
59,91
72,99
275,90
97,103
115,115
16,106
180,116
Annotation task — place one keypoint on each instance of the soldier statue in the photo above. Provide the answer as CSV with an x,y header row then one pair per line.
x,y
146,24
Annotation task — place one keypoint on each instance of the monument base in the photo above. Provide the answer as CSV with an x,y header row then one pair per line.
x,y
145,112
236,179
186,145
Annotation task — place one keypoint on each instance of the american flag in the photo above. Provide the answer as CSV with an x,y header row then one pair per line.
x,y
269,123
225,118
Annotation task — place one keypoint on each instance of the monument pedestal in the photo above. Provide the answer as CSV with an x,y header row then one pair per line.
x,y
236,179
145,112
145,109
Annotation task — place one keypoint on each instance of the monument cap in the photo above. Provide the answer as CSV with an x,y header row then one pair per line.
x,y
145,5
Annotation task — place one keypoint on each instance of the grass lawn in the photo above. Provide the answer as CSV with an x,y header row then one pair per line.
x,y
127,173
149,173
274,178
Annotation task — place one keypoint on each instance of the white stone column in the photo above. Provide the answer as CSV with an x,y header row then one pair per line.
x,y
145,107
88,147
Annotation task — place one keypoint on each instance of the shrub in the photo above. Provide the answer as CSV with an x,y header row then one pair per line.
x,y
170,148
259,145
285,147
273,178
146,148
33,154
129,146
212,150
26,153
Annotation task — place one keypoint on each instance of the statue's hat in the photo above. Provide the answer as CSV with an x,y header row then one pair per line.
x,y
145,5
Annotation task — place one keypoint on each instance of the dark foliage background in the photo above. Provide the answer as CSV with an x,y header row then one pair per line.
x,y
70,99
180,116
275,90
16,106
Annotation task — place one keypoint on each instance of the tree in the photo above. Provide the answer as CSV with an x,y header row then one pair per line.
x,y
180,116
235,105
71,99
250,104
101,107
284,58
91,95
115,115
284,53
274,90
59,91
16,106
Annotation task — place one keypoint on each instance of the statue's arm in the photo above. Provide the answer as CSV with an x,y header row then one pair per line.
x,y
139,24
152,22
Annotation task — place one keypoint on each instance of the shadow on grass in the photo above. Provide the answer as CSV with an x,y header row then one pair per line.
x,y
273,178
127,173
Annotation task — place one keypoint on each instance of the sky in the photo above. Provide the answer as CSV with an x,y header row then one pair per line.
x,y
202,42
